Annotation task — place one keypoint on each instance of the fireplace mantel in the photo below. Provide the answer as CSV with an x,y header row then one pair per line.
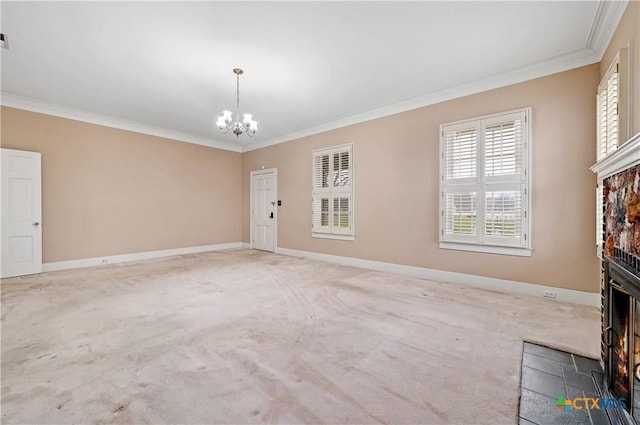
x,y
626,156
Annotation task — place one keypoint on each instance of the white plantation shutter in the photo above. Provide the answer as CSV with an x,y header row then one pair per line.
x,y
601,123
460,152
320,212
503,148
321,191
607,120
612,113
341,212
332,199
599,215
461,217
505,179
341,171
321,171
485,181
504,216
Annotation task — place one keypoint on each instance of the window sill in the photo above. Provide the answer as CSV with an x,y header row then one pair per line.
x,y
487,249
333,236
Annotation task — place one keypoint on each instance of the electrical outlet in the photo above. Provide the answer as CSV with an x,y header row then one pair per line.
x,y
104,261
549,294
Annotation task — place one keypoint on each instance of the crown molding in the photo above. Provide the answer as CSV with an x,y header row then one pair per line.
x,y
576,59
32,105
604,25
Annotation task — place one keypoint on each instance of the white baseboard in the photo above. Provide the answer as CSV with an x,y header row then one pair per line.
x,y
493,284
136,256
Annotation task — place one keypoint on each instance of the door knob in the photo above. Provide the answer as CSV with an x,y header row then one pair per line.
x,y
36,224
271,216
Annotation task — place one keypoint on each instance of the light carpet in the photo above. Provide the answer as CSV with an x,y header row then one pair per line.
x,y
252,337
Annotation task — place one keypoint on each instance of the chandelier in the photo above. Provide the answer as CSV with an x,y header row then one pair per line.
x,y
226,122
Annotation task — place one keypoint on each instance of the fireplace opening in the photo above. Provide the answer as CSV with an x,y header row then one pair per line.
x,y
619,382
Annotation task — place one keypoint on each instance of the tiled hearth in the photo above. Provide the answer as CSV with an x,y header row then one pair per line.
x,y
548,374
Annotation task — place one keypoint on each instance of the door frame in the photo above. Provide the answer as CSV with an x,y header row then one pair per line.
x,y
273,171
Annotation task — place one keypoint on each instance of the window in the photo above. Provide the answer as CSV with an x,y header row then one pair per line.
x,y
485,184
332,198
607,111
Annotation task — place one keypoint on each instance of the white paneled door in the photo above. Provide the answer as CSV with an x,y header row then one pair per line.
x,y
21,213
264,209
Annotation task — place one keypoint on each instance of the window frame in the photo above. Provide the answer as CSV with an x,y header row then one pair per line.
x,y
481,184
605,146
333,193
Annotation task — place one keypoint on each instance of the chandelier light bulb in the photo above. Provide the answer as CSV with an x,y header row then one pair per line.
x,y
224,119
226,122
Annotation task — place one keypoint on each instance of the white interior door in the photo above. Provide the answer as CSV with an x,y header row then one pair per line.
x,y
263,209
21,213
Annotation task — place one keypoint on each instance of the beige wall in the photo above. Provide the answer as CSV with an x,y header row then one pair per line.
x,y
628,34
107,191
396,185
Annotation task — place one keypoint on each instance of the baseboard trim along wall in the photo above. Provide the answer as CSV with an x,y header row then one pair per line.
x,y
136,256
493,284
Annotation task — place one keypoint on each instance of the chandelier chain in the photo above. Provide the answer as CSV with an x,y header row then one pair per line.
x,y
238,94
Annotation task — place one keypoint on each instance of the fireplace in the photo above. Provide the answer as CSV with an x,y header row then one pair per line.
x,y
621,335
619,228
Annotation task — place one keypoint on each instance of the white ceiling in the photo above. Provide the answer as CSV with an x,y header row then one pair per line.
x,y
165,68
